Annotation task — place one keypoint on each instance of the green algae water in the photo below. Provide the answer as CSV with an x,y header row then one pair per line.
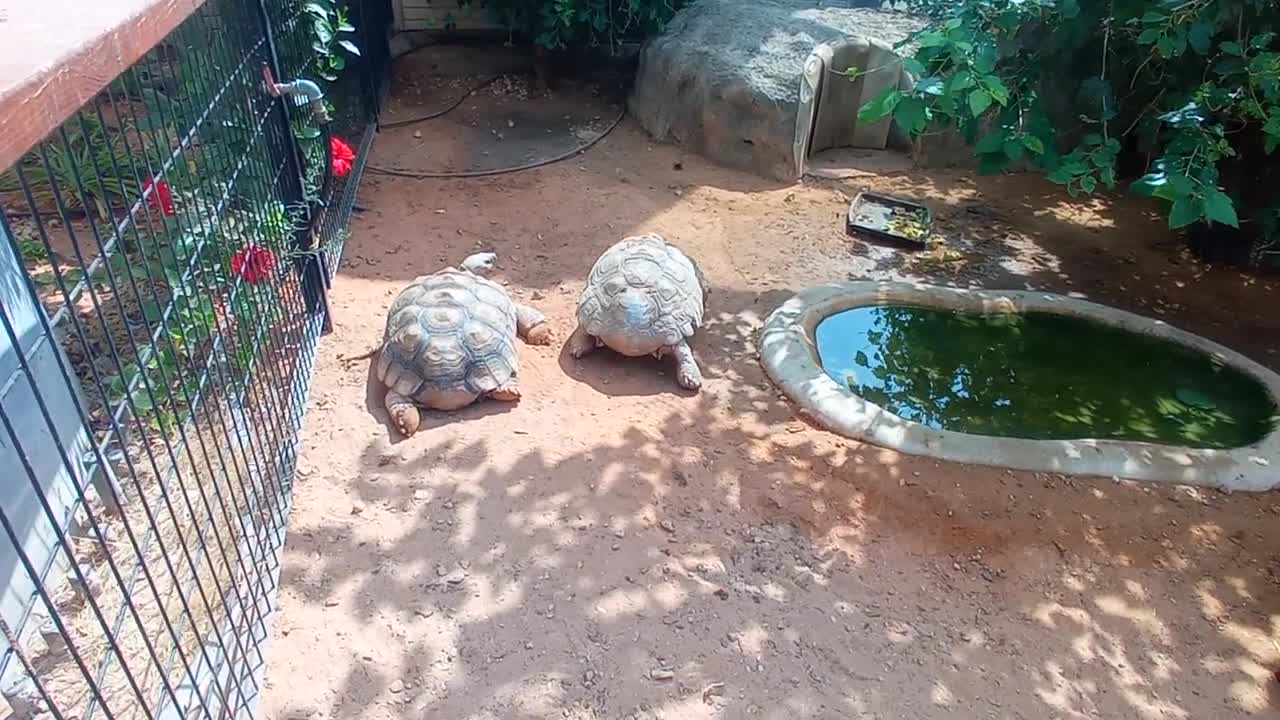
x,y
1040,376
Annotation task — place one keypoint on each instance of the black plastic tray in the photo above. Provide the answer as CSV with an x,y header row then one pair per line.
x,y
873,215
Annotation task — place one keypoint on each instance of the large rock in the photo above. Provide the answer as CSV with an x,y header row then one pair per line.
x,y
724,78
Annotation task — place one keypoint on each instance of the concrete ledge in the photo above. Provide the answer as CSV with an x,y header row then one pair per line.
x,y
790,357
55,56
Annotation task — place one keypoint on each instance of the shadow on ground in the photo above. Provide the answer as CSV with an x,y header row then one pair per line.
x,y
612,547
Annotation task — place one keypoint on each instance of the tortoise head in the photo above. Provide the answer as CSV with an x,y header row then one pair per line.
x,y
480,263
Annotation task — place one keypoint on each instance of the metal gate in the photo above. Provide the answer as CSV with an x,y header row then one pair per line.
x,y
164,259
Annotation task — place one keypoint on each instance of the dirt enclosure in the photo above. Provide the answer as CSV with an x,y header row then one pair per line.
x,y
614,547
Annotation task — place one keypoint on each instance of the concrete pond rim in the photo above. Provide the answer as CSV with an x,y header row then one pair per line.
x,y
789,354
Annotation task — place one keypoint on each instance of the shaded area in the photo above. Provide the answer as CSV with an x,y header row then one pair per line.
x,y
501,122
1040,376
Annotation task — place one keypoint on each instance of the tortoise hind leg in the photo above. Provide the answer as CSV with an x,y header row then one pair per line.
x,y
687,372
532,325
404,413
581,342
509,392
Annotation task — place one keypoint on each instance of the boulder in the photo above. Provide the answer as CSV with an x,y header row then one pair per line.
x,y
725,77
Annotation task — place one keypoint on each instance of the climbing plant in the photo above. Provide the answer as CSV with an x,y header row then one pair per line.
x,y
332,34
1187,91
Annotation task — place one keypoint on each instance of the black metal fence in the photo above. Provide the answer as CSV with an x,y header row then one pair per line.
x,y
164,258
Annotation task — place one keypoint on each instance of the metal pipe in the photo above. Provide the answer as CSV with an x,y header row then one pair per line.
x,y
308,90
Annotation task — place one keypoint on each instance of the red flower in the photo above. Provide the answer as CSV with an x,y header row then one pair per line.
x,y
159,197
254,263
341,155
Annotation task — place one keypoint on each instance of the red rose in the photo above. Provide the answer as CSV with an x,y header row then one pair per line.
x,y
158,195
341,155
254,263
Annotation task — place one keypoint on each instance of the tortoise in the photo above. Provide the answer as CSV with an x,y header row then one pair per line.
x,y
450,340
644,296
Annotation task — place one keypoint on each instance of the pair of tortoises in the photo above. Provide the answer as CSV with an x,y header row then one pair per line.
x,y
450,336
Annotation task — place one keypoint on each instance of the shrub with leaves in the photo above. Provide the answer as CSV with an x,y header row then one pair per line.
x,y
332,32
1190,88
561,24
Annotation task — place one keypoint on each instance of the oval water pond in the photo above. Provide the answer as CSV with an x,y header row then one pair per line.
x,y
1040,376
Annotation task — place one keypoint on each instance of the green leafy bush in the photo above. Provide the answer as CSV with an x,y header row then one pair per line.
x,y
561,24
331,30
1077,88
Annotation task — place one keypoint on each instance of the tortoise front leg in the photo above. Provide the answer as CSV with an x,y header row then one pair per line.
x,y
687,372
581,342
532,325
404,413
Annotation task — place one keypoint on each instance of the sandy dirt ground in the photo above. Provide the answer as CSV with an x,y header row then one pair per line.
x,y
614,547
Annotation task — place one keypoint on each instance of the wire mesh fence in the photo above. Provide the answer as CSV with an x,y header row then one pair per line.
x,y
164,257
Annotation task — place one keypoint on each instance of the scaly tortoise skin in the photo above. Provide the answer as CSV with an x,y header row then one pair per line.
x,y
450,340
644,296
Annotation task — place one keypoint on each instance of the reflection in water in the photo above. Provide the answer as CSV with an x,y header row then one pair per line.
x,y
1040,376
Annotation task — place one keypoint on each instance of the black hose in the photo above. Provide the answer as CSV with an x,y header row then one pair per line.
x,y
438,113
417,175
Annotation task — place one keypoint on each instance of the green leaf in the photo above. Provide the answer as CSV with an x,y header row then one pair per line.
x,y
1013,149
931,39
1060,175
1219,208
1185,211
992,142
316,9
1076,167
911,114
984,61
1033,144
996,87
959,82
913,66
324,31
1232,48
979,101
930,86
1201,37
1088,183
861,359
1181,184
880,106
349,47
1069,8
1150,36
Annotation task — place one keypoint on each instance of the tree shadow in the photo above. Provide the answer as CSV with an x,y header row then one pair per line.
x,y
629,550
711,556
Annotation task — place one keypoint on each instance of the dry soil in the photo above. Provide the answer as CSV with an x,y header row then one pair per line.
x,y
614,547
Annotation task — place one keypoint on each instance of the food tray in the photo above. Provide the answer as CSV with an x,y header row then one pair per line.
x,y
890,219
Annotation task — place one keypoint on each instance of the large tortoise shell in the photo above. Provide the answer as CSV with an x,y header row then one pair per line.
x,y
666,282
449,332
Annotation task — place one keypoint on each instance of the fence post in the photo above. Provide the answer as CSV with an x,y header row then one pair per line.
x,y
310,268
